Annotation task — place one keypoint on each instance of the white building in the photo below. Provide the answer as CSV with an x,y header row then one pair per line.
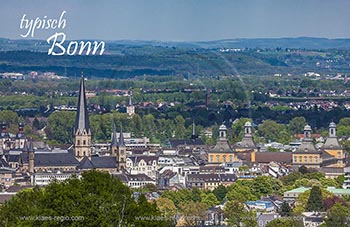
x,y
43,179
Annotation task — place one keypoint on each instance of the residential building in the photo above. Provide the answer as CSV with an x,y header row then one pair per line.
x,y
45,178
209,181
135,180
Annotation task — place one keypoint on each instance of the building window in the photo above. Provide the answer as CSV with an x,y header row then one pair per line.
x,y
295,160
84,142
300,159
316,159
305,159
211,158
231,158
78,142
310,159
217,158
224,158
339,155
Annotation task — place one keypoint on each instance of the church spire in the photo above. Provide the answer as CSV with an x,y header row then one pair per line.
x,y
82,117
82,132
193,131
121,138
114,142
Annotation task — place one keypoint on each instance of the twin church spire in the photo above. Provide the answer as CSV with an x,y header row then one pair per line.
x,y
82,133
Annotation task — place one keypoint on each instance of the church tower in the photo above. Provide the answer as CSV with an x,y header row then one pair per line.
x,y
4,137
130,109
247,143
114,143
121,156
31,156
20,136
82,132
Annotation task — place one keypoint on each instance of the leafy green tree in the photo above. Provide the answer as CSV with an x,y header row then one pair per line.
x,y
303,198
166,207
238,128
237,215
284,222
220,192
241,193
209,199
180,130
193,212
297,124
291,178
273,131
97,199
338,216
60,126
315,200
286,211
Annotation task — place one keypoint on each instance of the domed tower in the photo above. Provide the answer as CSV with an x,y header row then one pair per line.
x,y
333,147
222,151
4,137
247,143
20,137
306,153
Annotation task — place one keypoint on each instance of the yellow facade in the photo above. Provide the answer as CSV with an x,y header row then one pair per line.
x,y
222,157
307,159
338,154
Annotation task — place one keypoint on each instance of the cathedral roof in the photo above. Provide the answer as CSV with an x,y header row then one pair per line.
x,y
96,162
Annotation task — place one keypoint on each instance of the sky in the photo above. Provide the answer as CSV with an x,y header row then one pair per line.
x,y
180,20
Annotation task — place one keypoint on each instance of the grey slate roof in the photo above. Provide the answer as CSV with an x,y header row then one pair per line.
x,y
55,159
82,117
104,162
191,142
85,163
12,157
97,162
332,143
148,159
307,146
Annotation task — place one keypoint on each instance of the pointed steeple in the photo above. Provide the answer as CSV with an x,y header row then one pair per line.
x,y
121,138
193,131
82,117
130,99
114,142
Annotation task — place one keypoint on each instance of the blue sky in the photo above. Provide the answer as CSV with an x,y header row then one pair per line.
x,y
182,20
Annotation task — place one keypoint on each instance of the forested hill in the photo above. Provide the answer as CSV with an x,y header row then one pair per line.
x,y
296,43
125,59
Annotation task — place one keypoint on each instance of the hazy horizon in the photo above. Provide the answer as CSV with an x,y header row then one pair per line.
x,y
181,20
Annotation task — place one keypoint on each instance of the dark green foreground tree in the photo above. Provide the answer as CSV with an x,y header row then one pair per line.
x,y
97,199
315,200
